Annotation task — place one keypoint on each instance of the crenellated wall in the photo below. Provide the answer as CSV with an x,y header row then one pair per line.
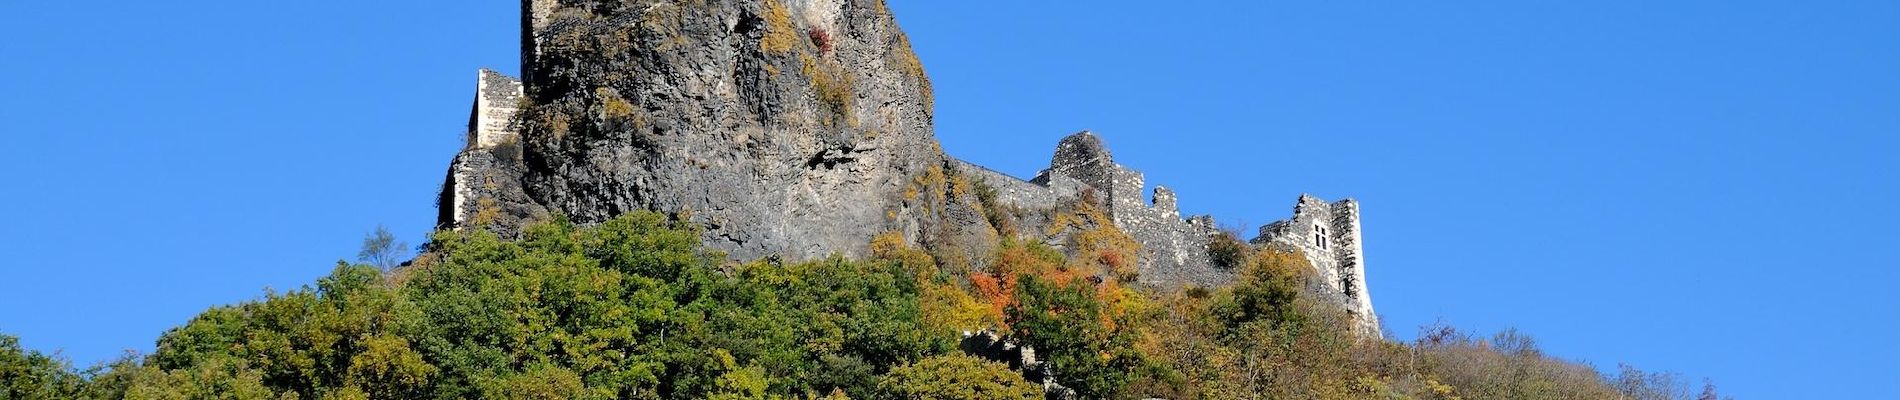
x,y
1175,249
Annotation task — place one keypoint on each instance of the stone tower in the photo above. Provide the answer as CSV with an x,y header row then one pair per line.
x,y
1082,156
1328,233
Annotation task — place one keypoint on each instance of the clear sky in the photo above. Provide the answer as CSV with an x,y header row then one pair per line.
x,y
1698,186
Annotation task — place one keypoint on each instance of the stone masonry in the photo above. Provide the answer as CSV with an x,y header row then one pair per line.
x,y
485,174
497,100
1328,233
1175,249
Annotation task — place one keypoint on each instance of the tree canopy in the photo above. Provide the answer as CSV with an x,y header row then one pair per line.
x,y
636,308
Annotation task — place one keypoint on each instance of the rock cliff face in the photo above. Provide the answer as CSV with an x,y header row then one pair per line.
x,y
800,129
788,128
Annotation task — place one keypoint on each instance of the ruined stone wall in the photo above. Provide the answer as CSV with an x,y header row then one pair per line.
x,y
1173,250
483,186
1044,193
1328,233
497,101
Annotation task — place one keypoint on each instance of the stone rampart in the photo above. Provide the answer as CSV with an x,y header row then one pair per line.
x,y
1175,249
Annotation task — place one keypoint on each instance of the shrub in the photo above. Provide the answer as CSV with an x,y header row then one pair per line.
x,y
820,38
956,377
1228,251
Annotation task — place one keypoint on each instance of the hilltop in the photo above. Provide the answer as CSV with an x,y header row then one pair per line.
x,y
746,199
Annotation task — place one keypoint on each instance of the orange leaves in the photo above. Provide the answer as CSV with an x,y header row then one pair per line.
x,y
995,292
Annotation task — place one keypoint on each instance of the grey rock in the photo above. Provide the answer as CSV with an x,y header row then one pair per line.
x,y
788,129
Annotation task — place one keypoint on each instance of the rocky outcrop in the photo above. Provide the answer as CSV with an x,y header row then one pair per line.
x,y
800,129
790,129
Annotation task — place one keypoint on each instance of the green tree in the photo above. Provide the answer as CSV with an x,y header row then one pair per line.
x,y
217,378
28,374
956,377
1087,349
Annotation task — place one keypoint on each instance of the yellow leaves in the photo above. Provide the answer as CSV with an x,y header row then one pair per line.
x,y
1443,391
931,181
540,382
780,34
740,383
1097,243
892,246
943,304
957,377
487,211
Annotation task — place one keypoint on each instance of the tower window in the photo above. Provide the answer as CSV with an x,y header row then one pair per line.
x,y
1319,237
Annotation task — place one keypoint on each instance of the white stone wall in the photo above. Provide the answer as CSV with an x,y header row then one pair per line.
x,y
497,102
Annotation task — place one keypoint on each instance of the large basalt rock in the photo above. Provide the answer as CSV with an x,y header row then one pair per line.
x,y
787,128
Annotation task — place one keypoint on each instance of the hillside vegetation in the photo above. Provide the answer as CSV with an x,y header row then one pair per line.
x,y
634,308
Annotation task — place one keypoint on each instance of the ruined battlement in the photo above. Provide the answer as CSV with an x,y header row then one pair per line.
x,y
1175,249
481,175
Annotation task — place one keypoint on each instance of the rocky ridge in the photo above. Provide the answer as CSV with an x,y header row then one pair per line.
x,y
800,129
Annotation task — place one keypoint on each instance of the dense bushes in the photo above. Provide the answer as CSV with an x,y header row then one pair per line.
x,y
955,377
32,375
635,308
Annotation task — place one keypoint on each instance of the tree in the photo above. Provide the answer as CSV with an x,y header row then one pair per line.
x,y
1635,384
381,249
1087,346
1709,392
28,374
956,377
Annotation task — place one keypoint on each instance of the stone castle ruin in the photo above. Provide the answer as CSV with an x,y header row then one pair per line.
x,y
1175,250
489,183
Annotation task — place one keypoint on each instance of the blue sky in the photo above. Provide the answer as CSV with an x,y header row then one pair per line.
x,y
1696,186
